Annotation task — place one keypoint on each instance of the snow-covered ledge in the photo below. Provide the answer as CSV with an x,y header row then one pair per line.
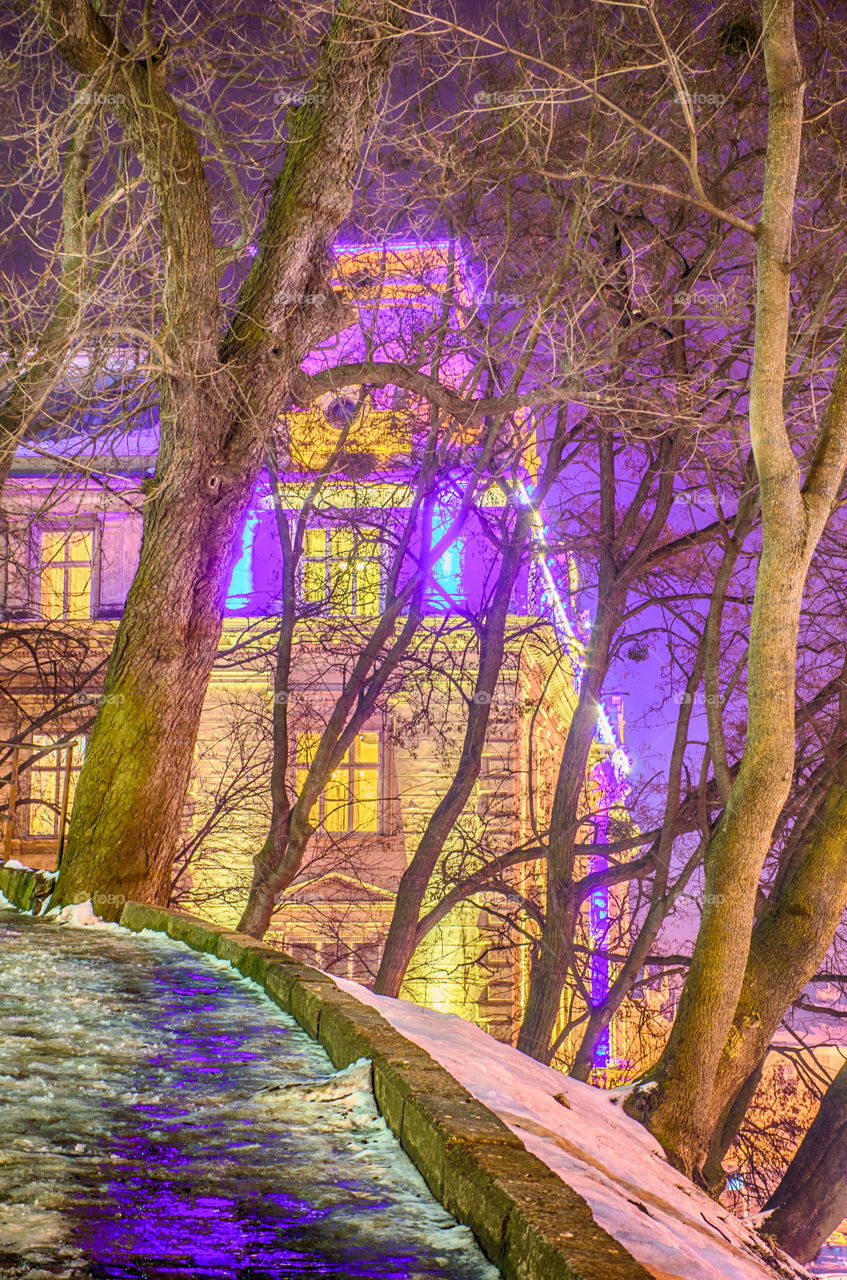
x,y
553,1179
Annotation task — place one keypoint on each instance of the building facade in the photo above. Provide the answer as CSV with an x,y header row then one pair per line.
x,y
350,474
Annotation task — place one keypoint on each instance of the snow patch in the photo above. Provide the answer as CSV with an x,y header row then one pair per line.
x,y
670,1226
80,915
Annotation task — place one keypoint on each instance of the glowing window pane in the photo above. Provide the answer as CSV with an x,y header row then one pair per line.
x,y
52,593
79,595
341,544
66,557
46,786
307,745
44,793
350,799
314,566
79,546
365,808
337,799
340,572
367,587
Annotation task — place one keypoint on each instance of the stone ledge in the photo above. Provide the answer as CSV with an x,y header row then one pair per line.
x,y
475,1189
551,1232
528,1222
27,890
435,1123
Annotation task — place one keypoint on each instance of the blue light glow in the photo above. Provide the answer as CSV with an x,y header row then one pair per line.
x,y
241,582
447,570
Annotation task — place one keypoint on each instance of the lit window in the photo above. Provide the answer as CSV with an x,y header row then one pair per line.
x,y
314,566
66,563
350,800
340,572
447,570
47,784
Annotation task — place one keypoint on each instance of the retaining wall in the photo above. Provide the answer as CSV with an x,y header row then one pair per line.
x,y
528,1222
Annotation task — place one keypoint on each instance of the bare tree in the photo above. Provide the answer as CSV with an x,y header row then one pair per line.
x,y
225,374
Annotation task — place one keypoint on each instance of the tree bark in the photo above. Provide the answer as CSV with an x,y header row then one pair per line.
x,y
218,403
552,955
811,1199
678,1112
660,900
552,958
787,949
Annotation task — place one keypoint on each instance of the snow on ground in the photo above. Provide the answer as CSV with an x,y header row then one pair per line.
x,y
674,1230
162,1117
79,915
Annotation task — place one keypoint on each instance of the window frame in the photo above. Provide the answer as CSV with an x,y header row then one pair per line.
x,y
351,800
86,526
328,568
53,762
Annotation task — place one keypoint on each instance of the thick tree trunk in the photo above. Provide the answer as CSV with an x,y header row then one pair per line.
x,y
811,1199
127,814
679,1111
788,946
220,397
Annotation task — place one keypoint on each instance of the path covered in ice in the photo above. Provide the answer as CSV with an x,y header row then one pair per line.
x,y
160,1119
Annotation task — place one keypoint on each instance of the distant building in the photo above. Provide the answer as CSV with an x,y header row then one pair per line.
x,y
71,535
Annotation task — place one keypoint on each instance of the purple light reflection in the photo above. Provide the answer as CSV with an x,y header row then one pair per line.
x,y
169,1161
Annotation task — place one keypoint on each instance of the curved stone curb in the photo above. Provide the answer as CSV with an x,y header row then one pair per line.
x,y
528,1222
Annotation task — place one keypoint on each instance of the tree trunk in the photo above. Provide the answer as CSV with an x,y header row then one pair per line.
x,y
402,932
127,814
219,400
787,949
811,1199
276,840
552,956
678,1112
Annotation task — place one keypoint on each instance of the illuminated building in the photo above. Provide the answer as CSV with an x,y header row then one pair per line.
x,y
73,567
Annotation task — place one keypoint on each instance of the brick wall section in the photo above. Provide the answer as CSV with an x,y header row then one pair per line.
x,y
528,1222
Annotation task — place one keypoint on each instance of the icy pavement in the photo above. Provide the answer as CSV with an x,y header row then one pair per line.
x,y
160,1118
